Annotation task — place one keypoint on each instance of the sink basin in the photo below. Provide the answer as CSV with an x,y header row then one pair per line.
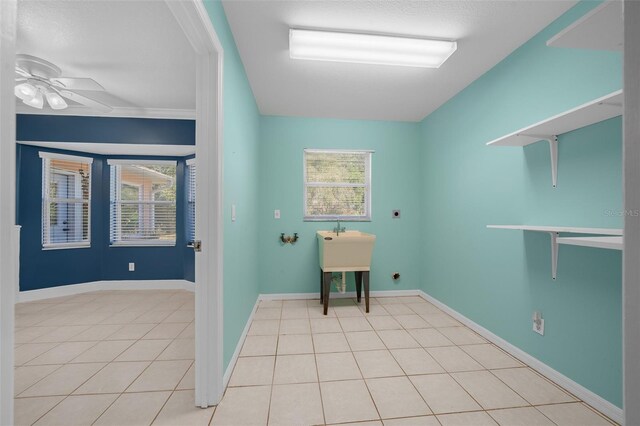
x,y
349,251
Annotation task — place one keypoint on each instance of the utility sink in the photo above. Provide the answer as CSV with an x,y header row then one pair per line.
x,y
347,252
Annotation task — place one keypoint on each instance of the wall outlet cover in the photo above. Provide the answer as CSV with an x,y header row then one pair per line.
x,y
539,327
276,214
132,267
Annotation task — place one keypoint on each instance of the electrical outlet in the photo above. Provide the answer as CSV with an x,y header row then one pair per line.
x,y
538,323
276,214
132,266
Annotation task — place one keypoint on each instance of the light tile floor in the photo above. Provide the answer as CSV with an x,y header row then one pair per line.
x,y
404,363
126,358
107,358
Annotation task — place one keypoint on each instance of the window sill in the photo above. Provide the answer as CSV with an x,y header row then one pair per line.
x,y
141,244
335,219
66,247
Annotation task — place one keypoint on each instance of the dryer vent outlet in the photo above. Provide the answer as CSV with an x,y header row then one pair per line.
x,y
395,276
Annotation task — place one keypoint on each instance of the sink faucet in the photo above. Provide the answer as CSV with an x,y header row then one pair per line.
x,y
338,229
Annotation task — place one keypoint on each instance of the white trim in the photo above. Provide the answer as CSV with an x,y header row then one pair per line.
x,y
9,233
338,151
236,353
72,289
65,246
118,162
348,294
124,112
191,161
631,182
194,20
596,401
65,157
142,243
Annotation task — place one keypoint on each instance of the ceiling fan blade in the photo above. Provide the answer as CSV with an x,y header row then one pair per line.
x,y
21,79
92,103
22,73
77,83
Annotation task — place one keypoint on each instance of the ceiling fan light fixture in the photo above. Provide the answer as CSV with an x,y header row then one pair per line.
x,y
25,91
369,48
55,100
36,101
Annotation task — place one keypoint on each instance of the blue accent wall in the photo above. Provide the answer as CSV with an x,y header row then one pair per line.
x,y
58,128
498,278
100,261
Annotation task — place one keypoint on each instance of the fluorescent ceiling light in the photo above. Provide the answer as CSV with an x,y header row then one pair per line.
x,y
369,48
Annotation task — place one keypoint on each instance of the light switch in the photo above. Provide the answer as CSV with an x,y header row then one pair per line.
x,y
276,214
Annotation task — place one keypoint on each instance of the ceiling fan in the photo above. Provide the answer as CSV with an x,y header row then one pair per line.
x,y
37,80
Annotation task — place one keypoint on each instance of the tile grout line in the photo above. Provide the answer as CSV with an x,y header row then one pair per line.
x,y
65,397
315,362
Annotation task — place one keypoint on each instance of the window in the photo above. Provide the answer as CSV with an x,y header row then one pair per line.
x,y
66,201
143,202
337,185
191,200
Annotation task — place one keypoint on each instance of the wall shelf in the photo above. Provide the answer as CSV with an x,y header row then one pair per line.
x,y
609,238
600,109
600,29
613,243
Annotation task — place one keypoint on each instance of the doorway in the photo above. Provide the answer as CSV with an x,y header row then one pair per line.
x,y
193,19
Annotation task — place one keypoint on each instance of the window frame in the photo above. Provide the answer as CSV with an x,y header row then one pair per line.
x,y
367,186
190,165
112,200
46,201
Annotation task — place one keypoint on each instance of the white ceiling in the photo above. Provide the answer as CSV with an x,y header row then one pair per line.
x,y
135,49
486,31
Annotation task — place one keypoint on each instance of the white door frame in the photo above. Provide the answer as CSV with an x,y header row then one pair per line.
x,y
631,268
194,20
9,236
196,24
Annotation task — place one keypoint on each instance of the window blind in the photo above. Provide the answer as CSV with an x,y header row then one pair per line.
x,y
337,185
191,201
66,200
143,202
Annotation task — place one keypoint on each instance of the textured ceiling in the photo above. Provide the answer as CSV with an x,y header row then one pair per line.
x,y
135,49
486,31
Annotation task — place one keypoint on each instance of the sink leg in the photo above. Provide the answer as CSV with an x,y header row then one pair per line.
x,y
358,275
321,285
366,289
325,291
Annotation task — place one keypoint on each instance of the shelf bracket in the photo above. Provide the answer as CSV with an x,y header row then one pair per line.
x,y
553,148
554,254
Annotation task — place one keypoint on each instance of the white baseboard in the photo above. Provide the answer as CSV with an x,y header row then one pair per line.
x,y
70,290
236,353
336,295
605,407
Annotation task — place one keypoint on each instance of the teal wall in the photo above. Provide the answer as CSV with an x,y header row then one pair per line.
x,y
395,184
449,186
498,277
241,137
